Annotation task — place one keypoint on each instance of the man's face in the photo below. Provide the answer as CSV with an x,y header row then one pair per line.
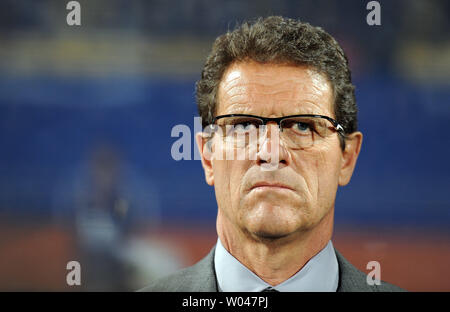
x,y
301,190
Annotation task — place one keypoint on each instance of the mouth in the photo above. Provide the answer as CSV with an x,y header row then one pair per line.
x,y
270,186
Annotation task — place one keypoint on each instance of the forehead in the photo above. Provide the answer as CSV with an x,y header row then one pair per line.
x,y
273,90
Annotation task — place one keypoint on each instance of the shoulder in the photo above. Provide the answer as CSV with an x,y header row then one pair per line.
x,y
199,277
353,280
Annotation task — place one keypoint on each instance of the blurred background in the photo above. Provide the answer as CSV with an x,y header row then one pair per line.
x,y
86,114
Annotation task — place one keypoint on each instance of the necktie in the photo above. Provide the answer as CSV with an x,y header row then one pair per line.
x,y
269,289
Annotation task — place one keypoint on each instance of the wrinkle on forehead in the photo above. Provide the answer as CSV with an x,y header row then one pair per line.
x,y
320,83
271,89
231,77
245,108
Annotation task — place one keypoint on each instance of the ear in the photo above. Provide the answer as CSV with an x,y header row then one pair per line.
x,y
204,147
349,157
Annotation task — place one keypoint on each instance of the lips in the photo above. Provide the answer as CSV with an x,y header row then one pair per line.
x,y
271,185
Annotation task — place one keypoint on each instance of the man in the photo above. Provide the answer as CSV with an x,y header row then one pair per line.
x,y
279,92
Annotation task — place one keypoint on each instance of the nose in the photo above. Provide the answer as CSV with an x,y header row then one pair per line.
x,y
271,151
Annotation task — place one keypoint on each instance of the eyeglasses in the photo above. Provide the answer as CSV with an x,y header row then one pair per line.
x,y
298,131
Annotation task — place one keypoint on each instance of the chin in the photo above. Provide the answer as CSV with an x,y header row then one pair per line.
x,y
272,222
273,230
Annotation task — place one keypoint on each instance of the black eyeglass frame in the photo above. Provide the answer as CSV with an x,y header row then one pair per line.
x,y
338,127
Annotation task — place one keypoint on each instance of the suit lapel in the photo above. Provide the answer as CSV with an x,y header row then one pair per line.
x,y
203,274
350,278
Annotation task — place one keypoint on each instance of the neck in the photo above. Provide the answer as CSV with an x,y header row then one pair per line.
x,y
275,260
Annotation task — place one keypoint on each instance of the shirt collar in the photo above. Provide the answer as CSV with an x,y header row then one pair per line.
x,y
320,273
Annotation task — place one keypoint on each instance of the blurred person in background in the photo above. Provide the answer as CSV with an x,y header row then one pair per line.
x,y
104,202
289,82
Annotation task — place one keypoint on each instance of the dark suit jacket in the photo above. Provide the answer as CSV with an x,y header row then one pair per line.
x,y
201,277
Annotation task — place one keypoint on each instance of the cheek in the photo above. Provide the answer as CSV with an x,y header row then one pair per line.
x,y
307,165
227,180
327,170
228,170
220,167
320,170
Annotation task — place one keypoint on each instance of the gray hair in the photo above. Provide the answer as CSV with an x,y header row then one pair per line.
x,y
276,39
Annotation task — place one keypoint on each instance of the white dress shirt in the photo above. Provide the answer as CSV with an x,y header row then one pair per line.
x,y
320,273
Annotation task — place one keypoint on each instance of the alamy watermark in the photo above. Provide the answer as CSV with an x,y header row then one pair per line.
x,y
73,278
234,149
374,276
374,16
74,16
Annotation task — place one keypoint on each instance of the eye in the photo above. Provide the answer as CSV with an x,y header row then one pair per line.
x,y
240,126
245,126
302,126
